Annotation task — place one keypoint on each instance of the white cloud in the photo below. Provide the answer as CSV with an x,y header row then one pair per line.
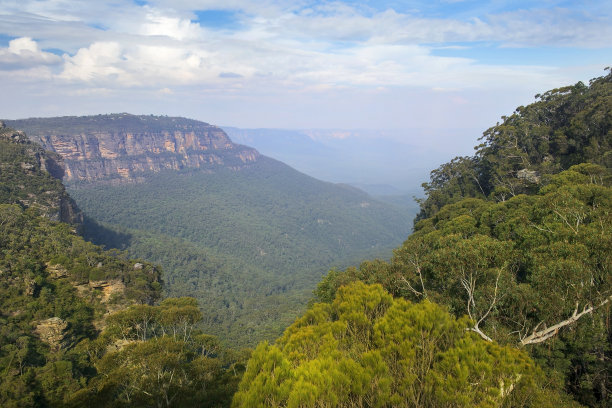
x,y
282,48
174,27
24,54
98,62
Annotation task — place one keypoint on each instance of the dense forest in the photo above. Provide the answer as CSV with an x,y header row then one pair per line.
x,y
500,298
246,235
77,321
517,238
250,245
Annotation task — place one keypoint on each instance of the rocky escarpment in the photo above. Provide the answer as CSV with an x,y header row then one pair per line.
x,y
123,148
31,177
54,332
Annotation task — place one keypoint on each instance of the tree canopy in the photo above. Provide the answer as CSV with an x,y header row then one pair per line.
x,y
367,349
519,237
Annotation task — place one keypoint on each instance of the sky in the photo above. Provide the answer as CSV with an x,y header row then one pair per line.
x,y
431,65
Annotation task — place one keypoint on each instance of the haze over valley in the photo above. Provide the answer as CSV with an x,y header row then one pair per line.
x,y
338,204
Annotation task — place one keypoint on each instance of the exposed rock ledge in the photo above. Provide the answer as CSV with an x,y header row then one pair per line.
x,y
121,148
54,332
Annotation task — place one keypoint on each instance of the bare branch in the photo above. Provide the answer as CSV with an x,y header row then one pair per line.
x,y
479,186
414,261
484,316
543,229
548,332
416,292
477,330
470,287
422,284
575,230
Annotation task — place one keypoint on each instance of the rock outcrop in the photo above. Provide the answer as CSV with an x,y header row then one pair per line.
x,y
108,288
31,177
123,148
528,175
54,332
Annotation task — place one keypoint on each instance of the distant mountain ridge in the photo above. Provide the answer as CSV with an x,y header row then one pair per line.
x,y
399,158
123,147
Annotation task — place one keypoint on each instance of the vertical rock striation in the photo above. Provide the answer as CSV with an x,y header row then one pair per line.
x,y
123,148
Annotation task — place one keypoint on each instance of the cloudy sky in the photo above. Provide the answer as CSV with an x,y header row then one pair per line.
x,y
297,64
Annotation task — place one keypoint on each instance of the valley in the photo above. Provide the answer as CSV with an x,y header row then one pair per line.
x,y
500,296
312,204
246,235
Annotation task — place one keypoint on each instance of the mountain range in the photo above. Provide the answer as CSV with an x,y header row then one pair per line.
x,y
396,160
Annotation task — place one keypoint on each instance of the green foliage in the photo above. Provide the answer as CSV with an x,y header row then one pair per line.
x,y
519,245
51,284
515,253
154,356
161,353
44,270
564,127
516,267
250,245
31,177
366,349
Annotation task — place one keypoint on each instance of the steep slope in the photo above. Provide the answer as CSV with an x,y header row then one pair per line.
x,y
56,290
564,127
123,147
31,177
250,245
77,324
246,235
519,243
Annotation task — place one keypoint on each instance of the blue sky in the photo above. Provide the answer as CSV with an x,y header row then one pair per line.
x,y
298,64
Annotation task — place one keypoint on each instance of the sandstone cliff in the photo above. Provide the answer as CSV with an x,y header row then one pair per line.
x,y
123,148
30,177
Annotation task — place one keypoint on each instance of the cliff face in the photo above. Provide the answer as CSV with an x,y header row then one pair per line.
x,y
124,148
30,177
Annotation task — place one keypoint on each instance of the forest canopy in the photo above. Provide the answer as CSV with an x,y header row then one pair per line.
x,y
518,238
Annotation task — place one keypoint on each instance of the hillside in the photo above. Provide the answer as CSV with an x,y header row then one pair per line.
x,y
31,177
519,239
501,297
248,238
564,127
79,325
249,245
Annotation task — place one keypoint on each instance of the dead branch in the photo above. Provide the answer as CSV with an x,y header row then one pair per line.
x,y
413,290
417,267
574,230
543,229
470,286
479,332
548,332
